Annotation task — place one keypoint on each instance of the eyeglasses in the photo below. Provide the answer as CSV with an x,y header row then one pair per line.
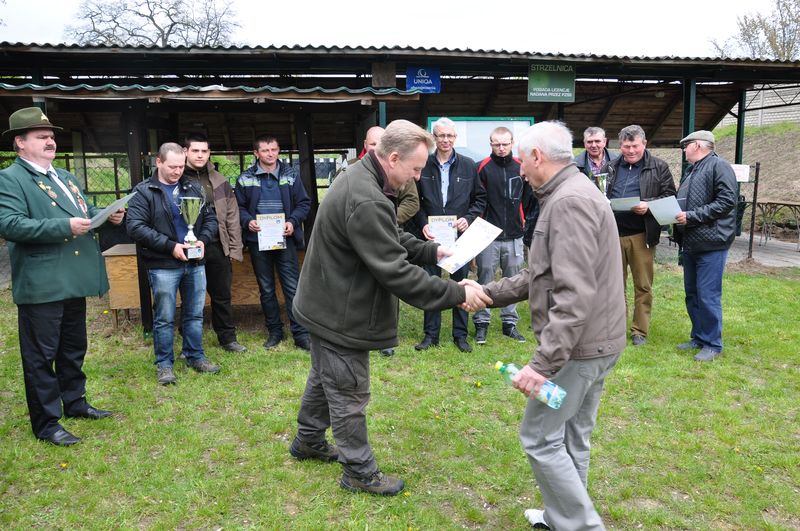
x,y
498,144
687,144
445,136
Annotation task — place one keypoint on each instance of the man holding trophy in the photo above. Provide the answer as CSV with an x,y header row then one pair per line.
x,y
171,224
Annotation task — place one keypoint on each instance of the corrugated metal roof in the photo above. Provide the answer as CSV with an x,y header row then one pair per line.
x,y
207,91
391,50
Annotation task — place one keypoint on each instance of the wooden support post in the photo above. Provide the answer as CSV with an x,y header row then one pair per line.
x,y
689,108
133,130
740,127
308,172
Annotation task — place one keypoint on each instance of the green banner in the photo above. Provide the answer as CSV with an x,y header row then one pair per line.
x,y
551,82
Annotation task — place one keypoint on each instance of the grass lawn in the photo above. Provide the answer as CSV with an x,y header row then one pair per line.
x,y
678,445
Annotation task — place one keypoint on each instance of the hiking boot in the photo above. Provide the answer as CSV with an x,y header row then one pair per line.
x,y
706,354
689,345
165,376
513,333
638,340
234,346
378,483
319,450
480,334
535,517
203,365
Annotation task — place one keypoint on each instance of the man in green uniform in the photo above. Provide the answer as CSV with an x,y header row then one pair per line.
x,y
55,264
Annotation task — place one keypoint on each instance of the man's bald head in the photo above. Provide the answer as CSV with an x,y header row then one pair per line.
x,y
373,135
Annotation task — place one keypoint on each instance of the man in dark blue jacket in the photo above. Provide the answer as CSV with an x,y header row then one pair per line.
x,y
156,223
270,186
705,231
448,186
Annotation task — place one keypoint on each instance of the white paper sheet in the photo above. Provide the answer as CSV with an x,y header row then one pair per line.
x,y
103,215
474,240
664,209
270,237
443,229
624,204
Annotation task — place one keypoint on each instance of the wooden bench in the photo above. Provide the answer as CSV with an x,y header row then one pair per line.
x,y
123,280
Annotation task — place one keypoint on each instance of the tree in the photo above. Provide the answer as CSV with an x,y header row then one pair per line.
x,y
773,36
155,23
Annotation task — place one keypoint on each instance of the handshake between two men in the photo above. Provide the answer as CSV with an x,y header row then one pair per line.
x,y
476,298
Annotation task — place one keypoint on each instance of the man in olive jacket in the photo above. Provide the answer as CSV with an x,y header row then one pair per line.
x,y
577,306
357,265
226,245
55,264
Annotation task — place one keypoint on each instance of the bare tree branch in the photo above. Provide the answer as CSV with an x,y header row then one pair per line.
x,y
772,36
155,23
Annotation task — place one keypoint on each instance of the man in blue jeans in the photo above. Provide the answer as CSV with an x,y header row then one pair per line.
x,y
705,231
156,224
271,186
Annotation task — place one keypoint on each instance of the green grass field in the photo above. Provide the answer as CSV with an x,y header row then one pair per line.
x,y
678,444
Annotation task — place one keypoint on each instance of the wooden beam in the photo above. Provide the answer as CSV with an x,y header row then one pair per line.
x,y
604,112
491,93
226,132
665,114
88,131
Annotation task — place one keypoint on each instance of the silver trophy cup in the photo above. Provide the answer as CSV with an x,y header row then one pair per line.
x,y
190,210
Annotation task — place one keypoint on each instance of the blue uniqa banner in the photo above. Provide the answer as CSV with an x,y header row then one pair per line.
x,y
424,79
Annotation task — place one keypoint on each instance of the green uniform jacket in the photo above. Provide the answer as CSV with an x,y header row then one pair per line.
x,y
359,262
48,263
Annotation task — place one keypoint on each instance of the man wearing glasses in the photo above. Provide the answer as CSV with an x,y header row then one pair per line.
x,y
637,173
448,186
705,231
506,194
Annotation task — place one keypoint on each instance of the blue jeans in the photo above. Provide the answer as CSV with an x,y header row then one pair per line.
x,y
165,283
432,320
265,265
702,281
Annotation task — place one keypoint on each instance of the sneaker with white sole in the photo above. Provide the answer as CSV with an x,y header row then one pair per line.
x,y
536,518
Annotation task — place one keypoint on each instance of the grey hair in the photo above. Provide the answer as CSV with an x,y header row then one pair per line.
x,y
706,144
631,133
169,147
403,137
443,122
591,131
552,138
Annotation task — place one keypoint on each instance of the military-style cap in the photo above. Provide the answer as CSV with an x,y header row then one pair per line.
x,y
708,136
27,119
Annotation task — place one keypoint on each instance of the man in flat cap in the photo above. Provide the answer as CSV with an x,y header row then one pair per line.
x,y
55,265
705,231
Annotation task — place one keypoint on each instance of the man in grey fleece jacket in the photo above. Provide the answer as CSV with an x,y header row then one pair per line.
x,y
357,265
574,288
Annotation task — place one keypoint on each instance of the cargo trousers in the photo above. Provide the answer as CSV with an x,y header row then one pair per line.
x,y
336,395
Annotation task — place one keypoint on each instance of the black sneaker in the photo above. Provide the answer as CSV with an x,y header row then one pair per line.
x,y
303,342
272,341
203,365
462,344
378,483
387,352
513,333
320,450
480,334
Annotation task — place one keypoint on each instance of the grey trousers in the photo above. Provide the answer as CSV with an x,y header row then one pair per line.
x,y
508,255
336,396
557,443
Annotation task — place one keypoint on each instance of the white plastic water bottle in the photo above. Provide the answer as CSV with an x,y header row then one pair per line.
x,y
550,393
